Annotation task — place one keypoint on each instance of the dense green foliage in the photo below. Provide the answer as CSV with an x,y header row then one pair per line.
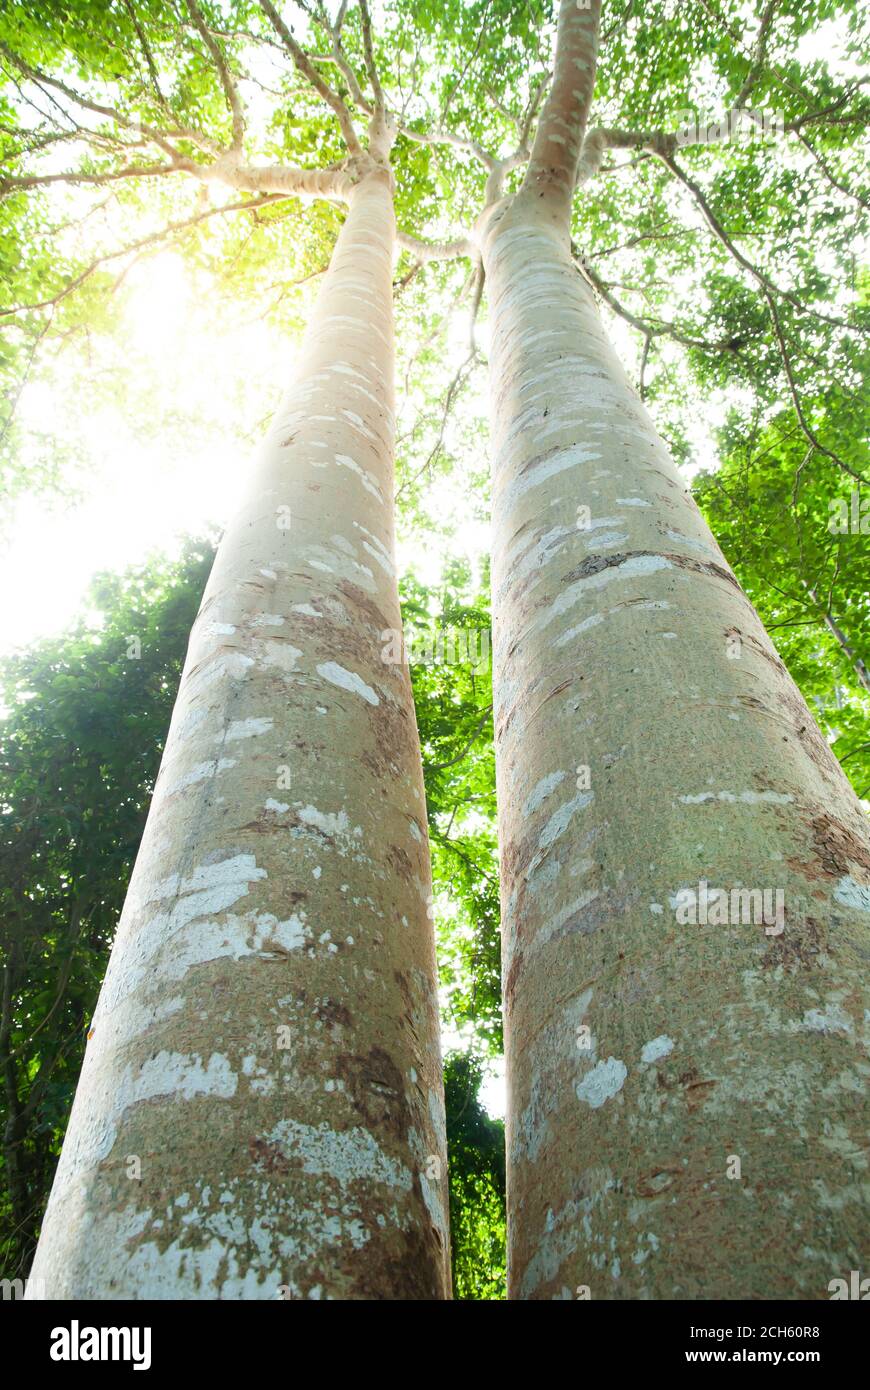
x,y
79,751
773,516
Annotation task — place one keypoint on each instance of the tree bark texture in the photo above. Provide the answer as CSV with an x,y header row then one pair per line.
x,y
260,1112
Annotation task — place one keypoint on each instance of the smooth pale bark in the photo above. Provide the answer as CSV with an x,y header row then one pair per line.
x,y
266,1041
614,643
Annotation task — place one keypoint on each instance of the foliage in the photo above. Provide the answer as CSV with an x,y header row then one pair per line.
x,y
778,522
475,1147
79,751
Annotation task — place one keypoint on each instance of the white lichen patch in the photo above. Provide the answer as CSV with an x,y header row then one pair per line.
x,y
200,773
602,1083
246,728
831,1019
202,896
328,822
542,790
347,680
592,621
852,894
348,1156
557,825
270,651
659,1047
368,480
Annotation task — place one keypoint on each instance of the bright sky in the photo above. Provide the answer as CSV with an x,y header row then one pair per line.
x,y
142,494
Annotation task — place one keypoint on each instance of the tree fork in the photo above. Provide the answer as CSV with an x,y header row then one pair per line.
x,y
260,1111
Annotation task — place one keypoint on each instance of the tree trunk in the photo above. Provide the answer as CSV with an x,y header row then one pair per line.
x,y
266,1040
648,738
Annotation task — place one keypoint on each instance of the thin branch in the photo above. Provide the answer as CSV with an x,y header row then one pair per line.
x,y
162,138
316,79
759,53
440,767
147,54
793,392
426,251
471,57
371,65
155,237
832,180
340,58
230,89
479,281
452,392
10,183
644,326
723,238
447,137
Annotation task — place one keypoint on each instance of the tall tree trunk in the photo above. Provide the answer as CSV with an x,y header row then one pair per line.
x,y
649,738
260,1113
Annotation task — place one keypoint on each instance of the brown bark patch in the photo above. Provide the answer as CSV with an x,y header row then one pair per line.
x,y
510,983
360,600
374,1084
333,1014
267,1156
797,948
398,859
412,1272
837,850
594,564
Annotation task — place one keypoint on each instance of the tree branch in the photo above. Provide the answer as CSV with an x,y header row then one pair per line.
x,y
426,251
371,65
562,125
230,89
316,79
447,137
162,138
759,53
9,183
644,326
153,239
440,767
339,56
723,238
793,391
